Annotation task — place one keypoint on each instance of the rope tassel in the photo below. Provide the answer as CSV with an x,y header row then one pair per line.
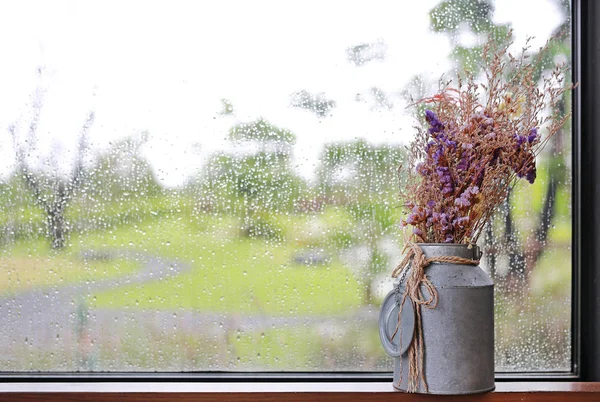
x,y
416,283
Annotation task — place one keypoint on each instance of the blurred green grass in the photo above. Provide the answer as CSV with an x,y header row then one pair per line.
x,y
32,265
229,273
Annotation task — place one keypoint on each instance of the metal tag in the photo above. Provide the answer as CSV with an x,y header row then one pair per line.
x,y
388,320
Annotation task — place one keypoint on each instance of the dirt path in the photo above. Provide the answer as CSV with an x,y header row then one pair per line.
x,y
43,318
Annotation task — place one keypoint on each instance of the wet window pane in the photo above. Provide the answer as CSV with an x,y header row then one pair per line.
x,y
200,186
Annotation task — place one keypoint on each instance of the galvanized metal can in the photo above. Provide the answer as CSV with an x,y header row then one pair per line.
x,y
458,334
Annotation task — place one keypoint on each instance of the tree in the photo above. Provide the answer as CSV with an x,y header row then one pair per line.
x,y
317,103
257,180
52,192
359,171
263,134
364,53
365,177
121,171
450,16
226,108
381,100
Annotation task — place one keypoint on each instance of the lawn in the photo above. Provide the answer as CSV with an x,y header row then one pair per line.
x,y
31,264
229,272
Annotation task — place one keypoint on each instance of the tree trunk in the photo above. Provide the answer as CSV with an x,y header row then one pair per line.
x,y
368,294
537,244
490,248
523,260
57,228
56,217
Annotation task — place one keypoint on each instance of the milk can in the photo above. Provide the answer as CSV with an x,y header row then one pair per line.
x,y
458,334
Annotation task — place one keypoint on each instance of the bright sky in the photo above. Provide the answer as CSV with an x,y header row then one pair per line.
x,y
163,66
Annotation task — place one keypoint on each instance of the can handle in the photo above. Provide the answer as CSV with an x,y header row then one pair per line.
x,y
388,320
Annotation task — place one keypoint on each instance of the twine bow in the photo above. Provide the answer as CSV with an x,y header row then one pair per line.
x,y
416,282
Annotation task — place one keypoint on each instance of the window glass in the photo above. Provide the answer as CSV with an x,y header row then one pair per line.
x,y
200,186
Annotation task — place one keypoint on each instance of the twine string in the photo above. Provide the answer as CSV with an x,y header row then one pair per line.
x,y
416,283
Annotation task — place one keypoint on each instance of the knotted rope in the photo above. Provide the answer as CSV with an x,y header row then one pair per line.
x,y
415,283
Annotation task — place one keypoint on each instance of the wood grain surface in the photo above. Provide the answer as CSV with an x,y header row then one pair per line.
x,y
270,392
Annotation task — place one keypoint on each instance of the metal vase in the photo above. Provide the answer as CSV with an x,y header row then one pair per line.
x,y
458,334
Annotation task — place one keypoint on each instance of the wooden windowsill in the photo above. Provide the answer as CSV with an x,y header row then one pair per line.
x,y
265,391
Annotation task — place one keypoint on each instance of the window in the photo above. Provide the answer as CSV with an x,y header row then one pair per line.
x,y
198,187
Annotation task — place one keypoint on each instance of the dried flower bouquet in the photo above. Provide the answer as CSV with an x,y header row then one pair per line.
x,y
476,140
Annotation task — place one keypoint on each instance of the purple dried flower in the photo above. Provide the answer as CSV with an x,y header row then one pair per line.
x,y
418,232
436,125
435,129
443,139
462,202
532,135
422,169
444,175
463,164
430,116
477,116
447,189
526,170
439,154
417,216
531,173
445,221
471,191
460,222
